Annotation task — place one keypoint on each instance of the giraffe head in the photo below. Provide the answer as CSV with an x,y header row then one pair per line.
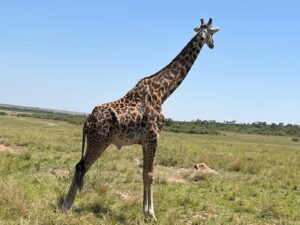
x,y
206,32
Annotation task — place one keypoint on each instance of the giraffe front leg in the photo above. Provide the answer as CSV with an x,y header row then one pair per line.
x,y
145,196
151,213
149,150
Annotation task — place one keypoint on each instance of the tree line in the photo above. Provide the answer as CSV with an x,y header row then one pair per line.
x,y
193,127
213,127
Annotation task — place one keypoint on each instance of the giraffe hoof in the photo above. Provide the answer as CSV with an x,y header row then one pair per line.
x,y
151,217
66,207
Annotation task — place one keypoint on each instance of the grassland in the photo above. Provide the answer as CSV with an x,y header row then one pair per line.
x,y
259,182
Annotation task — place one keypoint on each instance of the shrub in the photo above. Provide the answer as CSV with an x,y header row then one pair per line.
x,y
235,165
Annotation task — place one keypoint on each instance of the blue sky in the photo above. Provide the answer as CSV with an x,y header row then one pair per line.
x,y
74,55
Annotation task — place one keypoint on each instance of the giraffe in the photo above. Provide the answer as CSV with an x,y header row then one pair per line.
x,y
137,118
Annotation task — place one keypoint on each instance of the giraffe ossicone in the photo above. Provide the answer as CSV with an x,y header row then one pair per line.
x,y
208,26
137,118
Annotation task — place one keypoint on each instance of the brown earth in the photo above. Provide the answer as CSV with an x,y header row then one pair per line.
x,y
11,150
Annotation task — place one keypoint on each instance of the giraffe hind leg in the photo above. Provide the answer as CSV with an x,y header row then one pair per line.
x,y
76,184
81,168
98,139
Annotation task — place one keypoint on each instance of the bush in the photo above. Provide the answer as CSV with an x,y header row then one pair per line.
x,y
74,119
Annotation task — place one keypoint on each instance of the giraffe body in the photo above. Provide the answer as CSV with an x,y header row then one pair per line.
x,y
124,121
137,118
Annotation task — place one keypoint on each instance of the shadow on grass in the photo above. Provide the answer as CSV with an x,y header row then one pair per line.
x,y
60,200
97,209
102,212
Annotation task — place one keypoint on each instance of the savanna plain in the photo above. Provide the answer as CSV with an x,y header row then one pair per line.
x,y
259,181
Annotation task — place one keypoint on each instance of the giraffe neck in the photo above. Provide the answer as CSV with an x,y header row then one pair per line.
x,y
158,87
174,73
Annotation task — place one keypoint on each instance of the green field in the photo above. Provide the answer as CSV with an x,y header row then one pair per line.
x,y
259,182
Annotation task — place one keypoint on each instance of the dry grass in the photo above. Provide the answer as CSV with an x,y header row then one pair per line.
x,y
259,182
13,200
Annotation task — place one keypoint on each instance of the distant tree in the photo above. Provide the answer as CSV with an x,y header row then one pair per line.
x,y
295,139
169,122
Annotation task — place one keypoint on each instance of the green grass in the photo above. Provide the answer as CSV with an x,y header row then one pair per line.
x,y
259,182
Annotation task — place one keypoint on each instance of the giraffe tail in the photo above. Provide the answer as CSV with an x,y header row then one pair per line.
x,y
83,139
80,171
80,167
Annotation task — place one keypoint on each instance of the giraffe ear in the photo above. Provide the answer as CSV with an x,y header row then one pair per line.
x,y
214,30
196,29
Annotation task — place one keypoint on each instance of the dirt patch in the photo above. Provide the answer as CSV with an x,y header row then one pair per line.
x,y
60,173
38,121
123,195
11,150
173,174
179,175
167,173
176,180
120,193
